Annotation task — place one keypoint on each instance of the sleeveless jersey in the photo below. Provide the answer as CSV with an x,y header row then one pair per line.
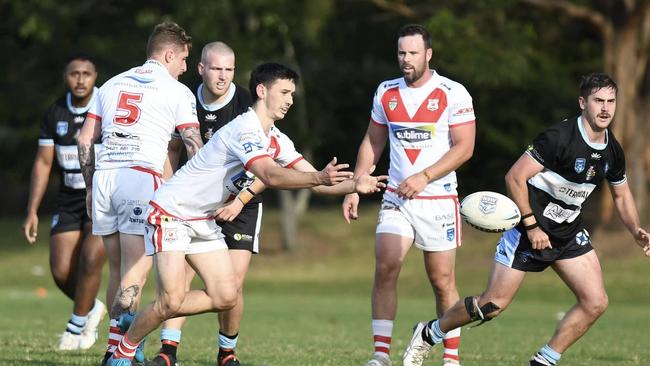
x,y
573,167
419,122
139,110
217,173
60,128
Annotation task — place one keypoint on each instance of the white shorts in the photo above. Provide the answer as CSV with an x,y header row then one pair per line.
x,y
120,198
433,224
165,232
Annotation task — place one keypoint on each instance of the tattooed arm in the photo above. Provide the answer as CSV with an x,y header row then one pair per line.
x,y
86,146
192,139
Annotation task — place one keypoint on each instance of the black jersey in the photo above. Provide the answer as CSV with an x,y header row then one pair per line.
x,y
213,117
60,129
573,167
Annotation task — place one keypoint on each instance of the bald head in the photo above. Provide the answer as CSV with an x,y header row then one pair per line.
x,y
218,48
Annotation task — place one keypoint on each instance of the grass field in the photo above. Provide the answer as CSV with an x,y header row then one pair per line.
x,y
311,307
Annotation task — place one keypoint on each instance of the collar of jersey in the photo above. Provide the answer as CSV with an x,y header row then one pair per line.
x,y
216,106
80,110
154,62
593,145
434,79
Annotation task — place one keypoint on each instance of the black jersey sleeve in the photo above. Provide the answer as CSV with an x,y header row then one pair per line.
x,y
615,173
544,148
46,131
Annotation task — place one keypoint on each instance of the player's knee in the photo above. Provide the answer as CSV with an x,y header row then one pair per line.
x,y
443,284
387,271
596,305
486,312
60,273
168,304
225,300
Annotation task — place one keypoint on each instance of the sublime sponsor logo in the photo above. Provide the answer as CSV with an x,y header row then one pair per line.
x,y
412,134
573,193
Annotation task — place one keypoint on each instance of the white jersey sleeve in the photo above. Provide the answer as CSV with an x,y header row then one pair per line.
x,y
461,110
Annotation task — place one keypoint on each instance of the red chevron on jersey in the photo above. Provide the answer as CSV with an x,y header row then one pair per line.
x,y
429,111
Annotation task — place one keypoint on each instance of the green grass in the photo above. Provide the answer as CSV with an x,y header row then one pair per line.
x,y
312,307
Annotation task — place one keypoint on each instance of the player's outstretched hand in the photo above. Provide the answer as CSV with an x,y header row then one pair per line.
x,y
538,239
229,211
643,239
30,228
333,174
349,206
367,184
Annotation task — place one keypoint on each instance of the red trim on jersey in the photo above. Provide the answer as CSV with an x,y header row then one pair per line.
x,y
462,124
187,125
249,162
94,116
146,170
451,196
291,164
379,124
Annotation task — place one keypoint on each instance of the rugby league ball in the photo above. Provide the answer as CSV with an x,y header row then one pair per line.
x,y
489,211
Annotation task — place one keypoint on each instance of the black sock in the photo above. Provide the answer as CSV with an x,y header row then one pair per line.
x,y
169,347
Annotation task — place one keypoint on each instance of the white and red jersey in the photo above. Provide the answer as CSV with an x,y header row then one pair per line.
x,y
218,172
419,122
139,110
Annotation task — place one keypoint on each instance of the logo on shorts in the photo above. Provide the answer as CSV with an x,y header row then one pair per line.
x,y
487,205
582,238
62,128
579,165
451,233
244,237
447,187
524,256
137,211
170,235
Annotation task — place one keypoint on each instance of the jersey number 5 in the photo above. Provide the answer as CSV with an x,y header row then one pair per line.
x,y
128,112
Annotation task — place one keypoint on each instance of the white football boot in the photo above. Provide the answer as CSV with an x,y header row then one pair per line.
x,y
418,349
379,359
89,333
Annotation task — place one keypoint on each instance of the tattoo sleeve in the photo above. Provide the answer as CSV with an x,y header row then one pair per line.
x,y
192,139
87,162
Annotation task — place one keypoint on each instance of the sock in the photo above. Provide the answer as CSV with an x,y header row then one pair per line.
x,y
126,348
547,356
451,342
227,342
76,324
432,333
115,335
95,307
382,331
170,339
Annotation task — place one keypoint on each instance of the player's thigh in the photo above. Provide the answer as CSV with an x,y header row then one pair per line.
x,y
104,215
503,284
240,262
583,275
92,247
134,265
216,271
64,250
170,276
440,264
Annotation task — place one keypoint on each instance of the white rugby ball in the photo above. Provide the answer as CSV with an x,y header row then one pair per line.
x,y
489,211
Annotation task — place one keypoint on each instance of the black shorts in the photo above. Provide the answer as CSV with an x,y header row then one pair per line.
x,y
70,214
244,231
515,251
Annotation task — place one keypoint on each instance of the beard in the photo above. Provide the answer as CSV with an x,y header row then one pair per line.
x,y
414,75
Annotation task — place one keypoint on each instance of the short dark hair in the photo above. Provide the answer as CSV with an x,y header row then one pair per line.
x,y
267,74
167,33
413,29
594,82
79,56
